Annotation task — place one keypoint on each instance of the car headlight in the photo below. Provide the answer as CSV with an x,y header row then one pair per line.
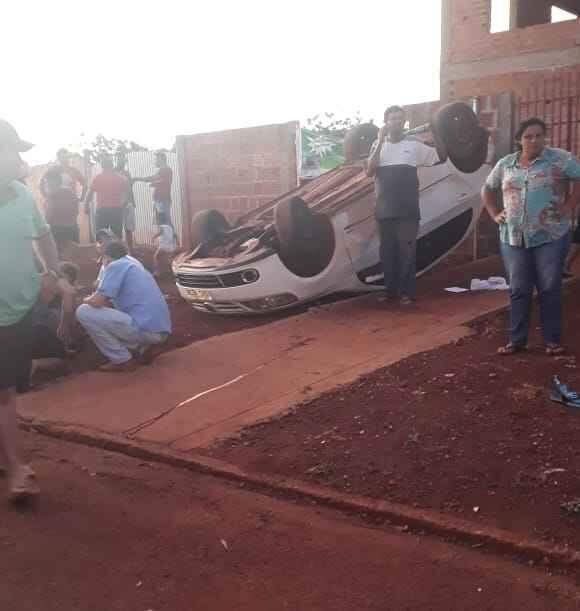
x,y
271,302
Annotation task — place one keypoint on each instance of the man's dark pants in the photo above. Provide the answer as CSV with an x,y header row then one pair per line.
x,y
398,254
110,218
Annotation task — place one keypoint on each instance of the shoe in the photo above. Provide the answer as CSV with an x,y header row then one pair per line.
x,y
387,297
555,349
561,393
129,365
150,353
511,348
23,485
406,300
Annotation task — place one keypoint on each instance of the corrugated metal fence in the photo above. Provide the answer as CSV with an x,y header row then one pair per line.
x,y
142,164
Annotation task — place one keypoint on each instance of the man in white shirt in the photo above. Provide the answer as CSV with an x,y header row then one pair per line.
x,y
393,161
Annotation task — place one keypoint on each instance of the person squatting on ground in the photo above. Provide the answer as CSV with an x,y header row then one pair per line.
x,y
21,224
161,184
393,161
112,192
127,317
166,245
534,229
129,216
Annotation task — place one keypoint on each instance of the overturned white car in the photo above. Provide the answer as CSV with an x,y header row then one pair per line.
x,y
322,238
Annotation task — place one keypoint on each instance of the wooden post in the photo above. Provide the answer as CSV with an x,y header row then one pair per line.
x,y
186,215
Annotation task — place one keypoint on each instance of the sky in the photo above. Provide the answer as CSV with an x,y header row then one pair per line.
x,y
148,71
500,15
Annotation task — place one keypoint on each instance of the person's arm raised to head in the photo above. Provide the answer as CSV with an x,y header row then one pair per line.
x,y
375,154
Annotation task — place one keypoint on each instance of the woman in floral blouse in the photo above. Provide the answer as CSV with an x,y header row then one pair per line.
x,y
534,229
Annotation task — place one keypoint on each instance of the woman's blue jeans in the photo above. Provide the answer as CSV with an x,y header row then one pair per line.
x,y
540,266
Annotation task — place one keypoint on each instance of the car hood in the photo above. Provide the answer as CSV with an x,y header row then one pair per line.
x,y
188,261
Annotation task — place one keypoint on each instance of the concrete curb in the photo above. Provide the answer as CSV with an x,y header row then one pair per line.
x,y
431,522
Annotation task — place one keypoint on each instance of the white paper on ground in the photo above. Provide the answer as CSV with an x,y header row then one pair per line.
x,y
493,283
456,289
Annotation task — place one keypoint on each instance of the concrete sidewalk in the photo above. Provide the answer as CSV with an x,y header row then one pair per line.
x,y
211,389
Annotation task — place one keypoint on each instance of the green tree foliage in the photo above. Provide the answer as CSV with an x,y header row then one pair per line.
x,y
322,140
102,146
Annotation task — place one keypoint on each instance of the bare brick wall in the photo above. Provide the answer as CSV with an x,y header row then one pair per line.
x,y
238,170
475,62
471,39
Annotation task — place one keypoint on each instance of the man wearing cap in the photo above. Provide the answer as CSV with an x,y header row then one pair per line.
x,y
21,224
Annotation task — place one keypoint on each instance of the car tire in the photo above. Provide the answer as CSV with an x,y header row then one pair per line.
x,y
456,129
358,141
305,238
476,157
206,226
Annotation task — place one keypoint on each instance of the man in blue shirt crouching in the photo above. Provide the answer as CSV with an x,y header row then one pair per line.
x,y
127,317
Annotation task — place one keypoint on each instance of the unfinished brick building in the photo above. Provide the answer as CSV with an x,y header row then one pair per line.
x,y
510,59
526,64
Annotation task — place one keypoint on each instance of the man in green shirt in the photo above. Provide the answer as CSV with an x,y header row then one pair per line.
x,y
21,224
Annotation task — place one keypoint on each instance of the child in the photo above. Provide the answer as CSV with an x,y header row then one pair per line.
x,y
166,245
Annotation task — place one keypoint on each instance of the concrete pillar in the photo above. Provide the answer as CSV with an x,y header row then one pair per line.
x,y
526,13
446,12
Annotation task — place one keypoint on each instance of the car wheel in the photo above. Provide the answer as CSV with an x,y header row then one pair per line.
x,y
305,238
206,226
456,130
476,157
358,141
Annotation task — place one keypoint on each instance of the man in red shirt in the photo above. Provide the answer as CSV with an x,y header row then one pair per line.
x,y
112,192
161,184
62,209
72,179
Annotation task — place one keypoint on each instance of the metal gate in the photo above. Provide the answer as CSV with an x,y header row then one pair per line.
x,y
556,100
142,164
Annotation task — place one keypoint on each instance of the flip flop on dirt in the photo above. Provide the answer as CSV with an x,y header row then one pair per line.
x,y
555,350
510,349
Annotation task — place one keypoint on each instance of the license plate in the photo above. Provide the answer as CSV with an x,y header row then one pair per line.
x,y
199,294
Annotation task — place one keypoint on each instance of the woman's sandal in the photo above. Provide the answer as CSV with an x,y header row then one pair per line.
x,y
554,350
510,349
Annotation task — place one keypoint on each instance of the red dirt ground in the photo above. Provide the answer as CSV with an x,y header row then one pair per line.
x,y
189,326
118,534
457,430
